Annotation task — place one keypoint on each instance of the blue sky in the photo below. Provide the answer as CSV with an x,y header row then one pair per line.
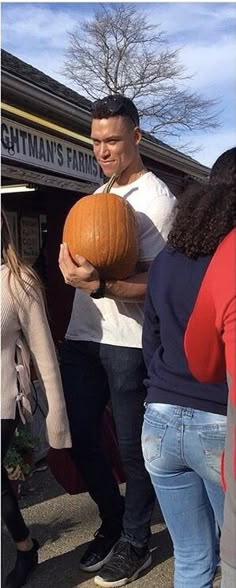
x,y
37,33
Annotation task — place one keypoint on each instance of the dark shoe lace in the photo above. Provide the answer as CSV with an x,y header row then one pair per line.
x,y
126,557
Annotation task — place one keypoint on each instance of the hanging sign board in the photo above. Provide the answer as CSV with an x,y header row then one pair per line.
x,y
30,146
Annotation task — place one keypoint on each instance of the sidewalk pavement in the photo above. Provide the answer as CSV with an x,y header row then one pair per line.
x,y
64,525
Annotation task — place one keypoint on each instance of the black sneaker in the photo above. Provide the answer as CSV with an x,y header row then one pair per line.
x,y
124,566
99,550
26,561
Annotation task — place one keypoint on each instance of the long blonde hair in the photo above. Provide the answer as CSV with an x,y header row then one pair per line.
x,y
22,274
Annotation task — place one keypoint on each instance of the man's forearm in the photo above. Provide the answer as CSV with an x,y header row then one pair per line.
x,y
84,276
131,290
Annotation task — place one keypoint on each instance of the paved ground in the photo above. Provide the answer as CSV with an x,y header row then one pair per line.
x,y
63,525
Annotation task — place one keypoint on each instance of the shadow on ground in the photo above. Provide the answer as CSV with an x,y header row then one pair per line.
x,y
63,526
42,486
62,571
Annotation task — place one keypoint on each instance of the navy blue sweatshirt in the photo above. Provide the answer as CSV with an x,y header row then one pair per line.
x,y
173,284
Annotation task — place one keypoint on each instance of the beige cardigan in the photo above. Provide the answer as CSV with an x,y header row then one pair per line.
x,y
28,321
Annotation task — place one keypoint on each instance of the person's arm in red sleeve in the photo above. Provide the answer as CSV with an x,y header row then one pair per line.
x,y
228,541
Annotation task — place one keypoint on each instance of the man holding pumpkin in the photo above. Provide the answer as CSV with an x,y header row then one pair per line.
x,y
102,355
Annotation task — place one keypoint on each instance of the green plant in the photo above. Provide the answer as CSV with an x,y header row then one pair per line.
x,y
15,461
23,439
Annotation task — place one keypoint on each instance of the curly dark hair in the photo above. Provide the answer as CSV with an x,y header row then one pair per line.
x,y
115,105
224,168
207,212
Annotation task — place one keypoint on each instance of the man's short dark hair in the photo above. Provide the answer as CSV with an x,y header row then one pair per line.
x,y
115,105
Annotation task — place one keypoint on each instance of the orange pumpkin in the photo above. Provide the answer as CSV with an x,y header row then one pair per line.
x,y
102,228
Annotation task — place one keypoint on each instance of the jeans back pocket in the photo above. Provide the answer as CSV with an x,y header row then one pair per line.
x,y
152,437
213,443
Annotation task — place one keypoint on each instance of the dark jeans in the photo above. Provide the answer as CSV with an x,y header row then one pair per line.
x,y
11,514
92,374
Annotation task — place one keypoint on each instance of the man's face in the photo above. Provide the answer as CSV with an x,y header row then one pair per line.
x,y
115,143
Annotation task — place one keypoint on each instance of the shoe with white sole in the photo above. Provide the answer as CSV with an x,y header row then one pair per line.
x,y
124,566
99,551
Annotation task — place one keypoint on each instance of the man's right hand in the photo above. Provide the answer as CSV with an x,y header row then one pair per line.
x,y
81,274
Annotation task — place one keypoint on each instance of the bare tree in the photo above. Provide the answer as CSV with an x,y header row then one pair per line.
x,y
119,51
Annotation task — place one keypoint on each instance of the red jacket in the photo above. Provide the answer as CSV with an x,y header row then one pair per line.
x,y
210,347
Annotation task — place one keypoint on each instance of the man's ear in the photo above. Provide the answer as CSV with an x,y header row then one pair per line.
x,y
137,135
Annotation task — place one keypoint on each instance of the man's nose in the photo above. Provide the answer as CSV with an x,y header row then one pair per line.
x,y
103,150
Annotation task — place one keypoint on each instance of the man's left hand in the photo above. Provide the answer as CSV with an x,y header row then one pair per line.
x,y
80,274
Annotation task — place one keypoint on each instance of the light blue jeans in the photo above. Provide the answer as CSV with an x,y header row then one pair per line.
x,y
181,448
